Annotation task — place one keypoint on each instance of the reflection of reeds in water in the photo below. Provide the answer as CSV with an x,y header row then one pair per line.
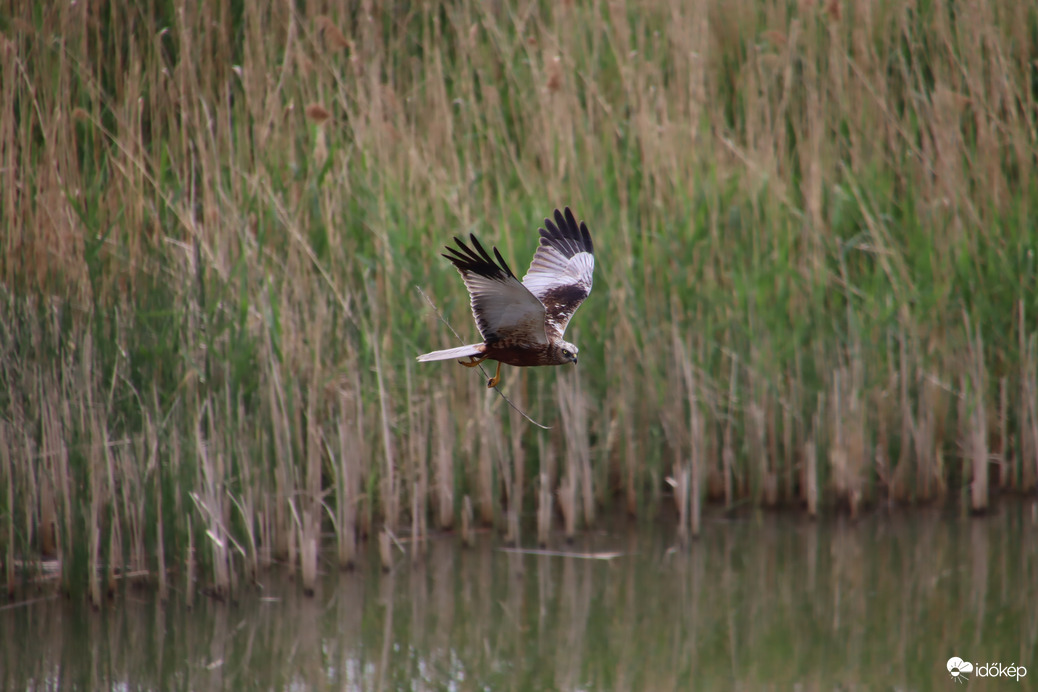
x,y
206,313
653,619
574,594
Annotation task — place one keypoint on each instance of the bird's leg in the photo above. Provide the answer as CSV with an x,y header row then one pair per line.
x,y
493,381
473,361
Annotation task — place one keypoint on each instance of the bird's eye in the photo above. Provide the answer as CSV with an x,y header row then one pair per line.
x,y
566,352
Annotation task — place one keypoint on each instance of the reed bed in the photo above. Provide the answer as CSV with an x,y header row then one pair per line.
x,y
815,284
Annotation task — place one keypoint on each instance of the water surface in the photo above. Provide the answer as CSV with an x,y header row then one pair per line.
x,y
767,601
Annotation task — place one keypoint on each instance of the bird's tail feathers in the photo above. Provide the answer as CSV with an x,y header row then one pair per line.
x,y
452,353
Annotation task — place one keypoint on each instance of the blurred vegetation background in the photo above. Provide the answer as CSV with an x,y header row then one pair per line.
x,y
815,283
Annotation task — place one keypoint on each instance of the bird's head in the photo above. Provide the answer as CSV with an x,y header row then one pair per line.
x,y
568,353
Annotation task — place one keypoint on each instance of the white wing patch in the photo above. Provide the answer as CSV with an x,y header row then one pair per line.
x,y
561,272
550,270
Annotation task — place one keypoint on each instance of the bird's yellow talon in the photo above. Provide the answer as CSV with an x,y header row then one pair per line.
x,y
493,381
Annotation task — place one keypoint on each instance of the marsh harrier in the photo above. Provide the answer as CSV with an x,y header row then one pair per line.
x,y
522,323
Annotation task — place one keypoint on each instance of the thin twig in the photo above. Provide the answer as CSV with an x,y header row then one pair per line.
x,y
485,373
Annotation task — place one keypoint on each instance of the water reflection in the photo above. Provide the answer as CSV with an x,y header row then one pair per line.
x,y
770,601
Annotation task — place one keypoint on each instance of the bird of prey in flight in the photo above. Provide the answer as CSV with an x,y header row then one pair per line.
x,y
522,322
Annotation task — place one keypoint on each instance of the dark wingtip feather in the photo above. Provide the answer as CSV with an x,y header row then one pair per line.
x,y
504,265
476,259
479,247
565,235
571,221
586,235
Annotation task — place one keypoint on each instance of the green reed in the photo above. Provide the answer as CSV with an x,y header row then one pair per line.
x,y
814,286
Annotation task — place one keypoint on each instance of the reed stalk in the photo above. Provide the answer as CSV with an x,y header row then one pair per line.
x,y
467,537
573,411
206,272
544,509
443,473
974,413
7,469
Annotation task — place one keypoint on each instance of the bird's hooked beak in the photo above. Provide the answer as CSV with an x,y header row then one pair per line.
x,y
574,357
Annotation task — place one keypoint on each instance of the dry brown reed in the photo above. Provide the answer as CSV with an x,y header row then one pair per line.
x,y
443,476
1028,406
573,407
385,550
847,438
211,220
975,420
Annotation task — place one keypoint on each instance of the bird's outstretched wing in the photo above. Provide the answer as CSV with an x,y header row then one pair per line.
x,y
504,308
561,271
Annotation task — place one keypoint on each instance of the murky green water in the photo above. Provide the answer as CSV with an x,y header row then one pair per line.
x,y
777,602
